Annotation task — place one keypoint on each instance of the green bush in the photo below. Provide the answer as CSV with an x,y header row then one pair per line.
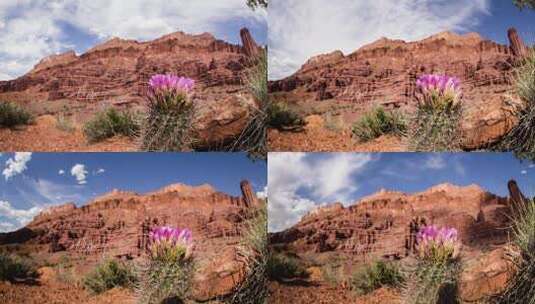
x,y
279,116
12,115
376,275
109,274
13,268
111,122
521,288
282,267
521,139
253,137
378,122
254,251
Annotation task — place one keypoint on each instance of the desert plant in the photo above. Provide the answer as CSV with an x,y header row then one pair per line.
x,y
64,124
169,123
253,137
375,275
439,113
254,4
111,122
521,139
12,115
13,268
255,254
279,116
109,274
282,267
525,3
330,272
169,271
378,122
434,280
521,288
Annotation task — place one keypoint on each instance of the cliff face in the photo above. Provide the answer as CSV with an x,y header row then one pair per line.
x,y
117,224
385,73
385,224
119,69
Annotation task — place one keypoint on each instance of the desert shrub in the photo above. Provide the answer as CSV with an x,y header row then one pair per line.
x,y
64,124
253,137
13,268
111,122
254,251
521,288
379,122
375,275
109,274
334,123
168,274
434,279
439,114
279,116
169,123
282,267
521,139
12,115
331,273
525,3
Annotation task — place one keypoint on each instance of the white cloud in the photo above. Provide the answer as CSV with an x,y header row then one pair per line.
x,y
435,161
99,171
61,172
80,173
7,227
301,29
262,194
17,164
524,172
33,29
20,216
325,179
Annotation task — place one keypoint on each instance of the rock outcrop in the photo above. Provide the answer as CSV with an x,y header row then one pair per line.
x,y
385,73
384,225
117,225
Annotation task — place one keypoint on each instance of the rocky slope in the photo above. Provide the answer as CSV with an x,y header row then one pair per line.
x,y
384,225
117,225
385,73
117,73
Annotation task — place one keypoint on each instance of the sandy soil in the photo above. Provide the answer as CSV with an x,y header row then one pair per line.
x,y
48,289
45,136
321,293
316,137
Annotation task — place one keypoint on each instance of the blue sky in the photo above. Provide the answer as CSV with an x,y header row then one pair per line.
x,y
300,29
298,183
33,29
30,182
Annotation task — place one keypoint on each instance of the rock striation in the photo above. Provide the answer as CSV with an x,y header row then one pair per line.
x,y
385,72
117,224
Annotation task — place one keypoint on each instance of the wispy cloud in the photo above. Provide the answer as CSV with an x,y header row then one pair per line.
x,y
435,161
17,164
19,216
300,29
325,179
33,29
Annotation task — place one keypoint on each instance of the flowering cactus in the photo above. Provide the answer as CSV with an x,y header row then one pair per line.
x,y
439,92
169,90
169,122
170,244
438,245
